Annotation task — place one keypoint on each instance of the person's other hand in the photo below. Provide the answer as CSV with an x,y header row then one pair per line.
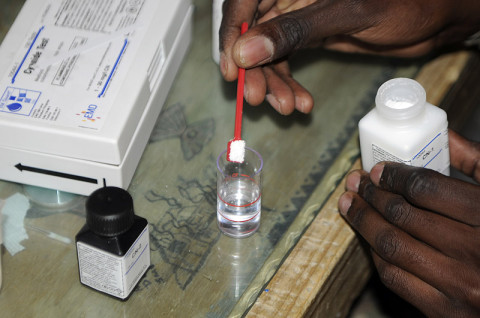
x,y
280,27
423,229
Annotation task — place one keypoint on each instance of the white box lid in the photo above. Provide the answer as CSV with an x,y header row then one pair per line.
x,y
75,76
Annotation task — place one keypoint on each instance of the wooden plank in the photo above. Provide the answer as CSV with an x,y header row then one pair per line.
x,y
464,97
312,279
439,75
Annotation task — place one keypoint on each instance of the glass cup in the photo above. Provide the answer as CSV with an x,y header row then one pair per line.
x,y
239,194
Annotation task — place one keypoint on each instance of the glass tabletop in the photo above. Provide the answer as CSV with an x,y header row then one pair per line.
x,y
196,271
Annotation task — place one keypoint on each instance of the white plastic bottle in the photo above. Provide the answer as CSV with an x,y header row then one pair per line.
x,y
216,21
403,127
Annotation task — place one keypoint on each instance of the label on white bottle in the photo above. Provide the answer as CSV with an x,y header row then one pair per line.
x,y
433,155
112,274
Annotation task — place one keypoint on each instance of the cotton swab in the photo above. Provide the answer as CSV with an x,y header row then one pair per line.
x,y
236,146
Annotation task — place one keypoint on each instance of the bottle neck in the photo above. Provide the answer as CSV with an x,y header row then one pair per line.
x,y
401,99
401,111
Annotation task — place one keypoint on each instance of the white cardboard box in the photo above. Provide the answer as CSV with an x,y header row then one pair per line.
x,y
82,83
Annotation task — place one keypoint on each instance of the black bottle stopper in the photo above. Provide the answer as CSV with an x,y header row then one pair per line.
x,y
110,211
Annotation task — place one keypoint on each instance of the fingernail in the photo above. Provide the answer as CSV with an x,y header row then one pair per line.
x,y
376,173
274,102
299,104
256,50
353,181
344,203
223,64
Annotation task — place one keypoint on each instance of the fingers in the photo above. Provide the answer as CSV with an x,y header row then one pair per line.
x,y
411,288
280,95
421,224
464,155
275,84
461,301
303,101
255,86
284,93
407,253
420,272
430,190
294,27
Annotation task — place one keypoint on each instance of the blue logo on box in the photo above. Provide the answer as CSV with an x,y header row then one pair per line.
x,y
19,101
15,107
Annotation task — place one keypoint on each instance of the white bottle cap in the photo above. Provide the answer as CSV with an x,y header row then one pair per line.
x,y
400,98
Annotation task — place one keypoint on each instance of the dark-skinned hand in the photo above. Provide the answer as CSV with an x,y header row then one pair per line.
x,y
278,28
423,229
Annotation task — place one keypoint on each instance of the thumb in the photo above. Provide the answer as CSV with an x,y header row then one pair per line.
x,y
288,32
269,41
464,155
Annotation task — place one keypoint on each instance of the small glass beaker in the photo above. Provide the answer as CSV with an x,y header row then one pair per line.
x,y
239,194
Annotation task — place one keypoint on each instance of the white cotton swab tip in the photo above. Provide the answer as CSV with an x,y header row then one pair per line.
x,y
237,151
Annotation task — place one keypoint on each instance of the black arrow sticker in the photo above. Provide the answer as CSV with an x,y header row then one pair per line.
x,y
21,167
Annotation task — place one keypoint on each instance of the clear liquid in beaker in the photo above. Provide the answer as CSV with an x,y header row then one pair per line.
x,y
239,207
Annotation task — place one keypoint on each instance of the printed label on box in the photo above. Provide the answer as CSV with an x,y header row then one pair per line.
x,y
69,69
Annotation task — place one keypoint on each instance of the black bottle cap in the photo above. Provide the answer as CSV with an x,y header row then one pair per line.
x,y
110,211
